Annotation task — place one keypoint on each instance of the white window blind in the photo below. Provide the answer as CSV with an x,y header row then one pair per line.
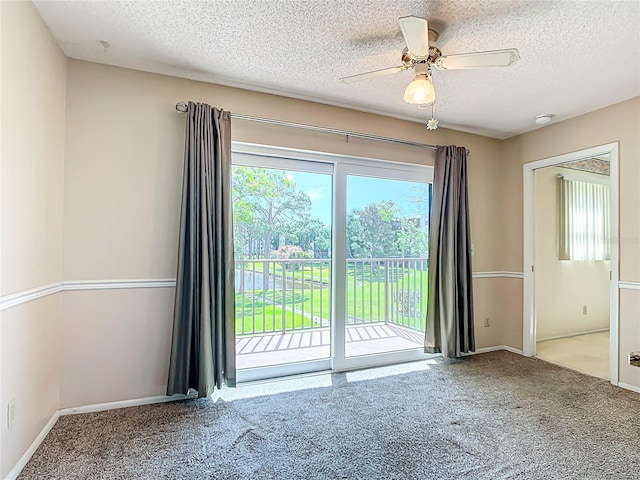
x,y
584,221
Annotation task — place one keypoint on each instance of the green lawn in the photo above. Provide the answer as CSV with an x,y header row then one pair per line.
x,y
366,296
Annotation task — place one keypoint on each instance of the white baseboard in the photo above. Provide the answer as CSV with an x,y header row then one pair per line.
x,y
633,388
494,349
100,407
15,471
575,334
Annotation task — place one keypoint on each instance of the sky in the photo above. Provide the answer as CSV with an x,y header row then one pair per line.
x,y
361,191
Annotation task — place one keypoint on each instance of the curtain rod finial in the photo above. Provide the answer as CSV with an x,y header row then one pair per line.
x,y
182,107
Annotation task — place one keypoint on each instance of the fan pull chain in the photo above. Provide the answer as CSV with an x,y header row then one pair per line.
x,y
432,123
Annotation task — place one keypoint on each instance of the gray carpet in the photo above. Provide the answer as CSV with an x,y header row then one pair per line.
x,y
491,416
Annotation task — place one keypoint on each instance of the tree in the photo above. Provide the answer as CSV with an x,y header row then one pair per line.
x,y
268,204
371,231
313,235
411,237
242,213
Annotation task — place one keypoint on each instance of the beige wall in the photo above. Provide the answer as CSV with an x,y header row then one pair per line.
x,y
617,123
32,164
564,287
115,345
122,177
122,188
124,164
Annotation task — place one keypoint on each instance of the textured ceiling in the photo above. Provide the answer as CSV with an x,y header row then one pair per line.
x,y
576,56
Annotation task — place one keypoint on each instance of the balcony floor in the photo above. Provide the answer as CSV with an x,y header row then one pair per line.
x,y
276,349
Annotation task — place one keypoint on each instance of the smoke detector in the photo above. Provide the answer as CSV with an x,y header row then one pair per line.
x,y
543,119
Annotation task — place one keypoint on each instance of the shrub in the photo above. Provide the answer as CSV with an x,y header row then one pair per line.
x,y
291,251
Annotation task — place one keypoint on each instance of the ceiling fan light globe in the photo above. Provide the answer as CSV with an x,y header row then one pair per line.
x,y
420,91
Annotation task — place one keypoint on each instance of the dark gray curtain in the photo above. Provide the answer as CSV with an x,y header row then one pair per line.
x,y
203,345
449,327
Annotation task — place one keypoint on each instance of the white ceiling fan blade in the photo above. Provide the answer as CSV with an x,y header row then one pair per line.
x,y
491,58
375,73
416,34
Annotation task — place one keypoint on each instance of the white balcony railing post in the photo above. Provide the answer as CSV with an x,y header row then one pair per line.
x,y
387,295
264,300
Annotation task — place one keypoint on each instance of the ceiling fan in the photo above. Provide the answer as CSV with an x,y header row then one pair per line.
x,y
420,56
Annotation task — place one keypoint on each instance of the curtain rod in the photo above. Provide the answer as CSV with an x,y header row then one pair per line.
x,y
182,108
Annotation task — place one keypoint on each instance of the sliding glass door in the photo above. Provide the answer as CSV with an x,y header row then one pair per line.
x,y
380,262
386,264
331,261
282,235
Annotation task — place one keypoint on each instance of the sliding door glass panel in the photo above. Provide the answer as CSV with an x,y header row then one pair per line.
x,y
386,264
282,234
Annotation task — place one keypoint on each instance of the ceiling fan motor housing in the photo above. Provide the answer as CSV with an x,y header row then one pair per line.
x,y
409,60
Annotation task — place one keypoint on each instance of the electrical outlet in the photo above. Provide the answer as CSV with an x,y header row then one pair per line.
x,y
11,413
486,322
584,310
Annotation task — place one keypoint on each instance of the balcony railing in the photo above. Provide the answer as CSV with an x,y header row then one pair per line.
x,y
279,296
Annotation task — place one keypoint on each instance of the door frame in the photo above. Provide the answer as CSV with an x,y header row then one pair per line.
x,y
529,260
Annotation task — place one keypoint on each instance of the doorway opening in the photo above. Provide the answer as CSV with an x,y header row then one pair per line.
x,y
571,267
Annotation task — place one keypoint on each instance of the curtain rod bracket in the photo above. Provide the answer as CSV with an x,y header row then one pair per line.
x,y
182,107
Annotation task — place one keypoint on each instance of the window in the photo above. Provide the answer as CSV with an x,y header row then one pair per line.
x,y
584,220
